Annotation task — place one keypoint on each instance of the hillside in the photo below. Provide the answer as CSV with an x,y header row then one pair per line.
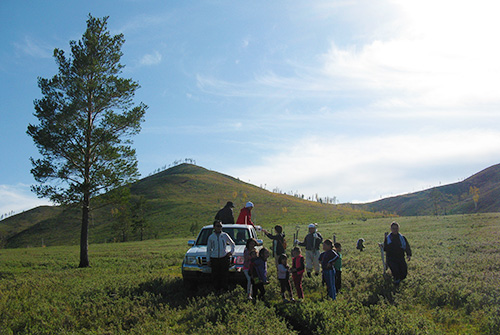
x,y
179,201
16,224
448,199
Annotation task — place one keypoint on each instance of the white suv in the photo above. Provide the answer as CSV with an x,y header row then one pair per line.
x,y
194,265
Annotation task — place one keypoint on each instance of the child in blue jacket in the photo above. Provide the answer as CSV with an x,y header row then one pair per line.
x,y
259,274
327,260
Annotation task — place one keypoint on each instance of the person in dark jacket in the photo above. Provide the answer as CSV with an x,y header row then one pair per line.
x,y
395,246
278,242
258,268
225,214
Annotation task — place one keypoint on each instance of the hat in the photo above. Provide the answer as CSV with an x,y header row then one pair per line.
x,y
312,225
230,204
249,204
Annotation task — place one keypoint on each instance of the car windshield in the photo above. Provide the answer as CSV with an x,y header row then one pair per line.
x,y
238,235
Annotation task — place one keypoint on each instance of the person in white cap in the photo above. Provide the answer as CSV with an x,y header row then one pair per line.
x,y
312,242
245,216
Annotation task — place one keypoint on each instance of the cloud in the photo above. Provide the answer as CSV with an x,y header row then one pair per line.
x,y
34,48
18,198
151,59
393,111
365,168
441,55
438,55
142,22
245,43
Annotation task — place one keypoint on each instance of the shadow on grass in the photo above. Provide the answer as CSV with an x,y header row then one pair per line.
x,y
172,291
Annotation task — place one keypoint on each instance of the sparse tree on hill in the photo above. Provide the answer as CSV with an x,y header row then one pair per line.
x,y
474,191
436,198
86,120
138,208
121,211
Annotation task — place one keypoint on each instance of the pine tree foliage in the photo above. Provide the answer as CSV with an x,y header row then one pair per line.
x,y
86,120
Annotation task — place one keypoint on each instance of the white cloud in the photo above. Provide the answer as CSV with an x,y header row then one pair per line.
x,y
142,22
34,48
245,42
439,54
442,55
406,104
18,198
151,59
365,168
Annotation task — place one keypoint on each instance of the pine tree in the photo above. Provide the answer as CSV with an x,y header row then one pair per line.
x,y
86,120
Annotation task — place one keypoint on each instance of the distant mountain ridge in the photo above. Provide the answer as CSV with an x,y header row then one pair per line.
x,y
179,201
447,199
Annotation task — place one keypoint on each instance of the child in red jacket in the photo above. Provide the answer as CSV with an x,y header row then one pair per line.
x,y
297,271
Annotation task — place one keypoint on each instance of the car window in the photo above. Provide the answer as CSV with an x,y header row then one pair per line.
x,y
238,235
203,236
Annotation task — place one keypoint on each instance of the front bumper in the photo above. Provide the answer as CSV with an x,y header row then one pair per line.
x,y
203,273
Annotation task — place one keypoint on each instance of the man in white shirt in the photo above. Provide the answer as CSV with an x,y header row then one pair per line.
x,y
217,256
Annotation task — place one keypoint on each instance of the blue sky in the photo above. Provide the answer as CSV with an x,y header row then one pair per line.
x,y
354,99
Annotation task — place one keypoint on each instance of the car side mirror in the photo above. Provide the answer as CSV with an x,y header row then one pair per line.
x,y
191,243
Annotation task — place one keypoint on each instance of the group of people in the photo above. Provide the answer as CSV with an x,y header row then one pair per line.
x,y
225,214
330,261
255,262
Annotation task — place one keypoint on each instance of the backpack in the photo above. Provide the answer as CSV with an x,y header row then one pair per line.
x,y
283,241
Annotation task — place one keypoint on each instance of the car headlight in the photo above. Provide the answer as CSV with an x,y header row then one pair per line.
x,y
191,260
239,260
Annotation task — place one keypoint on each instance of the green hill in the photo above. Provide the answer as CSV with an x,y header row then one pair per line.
x,y
179,201
16,224
448,199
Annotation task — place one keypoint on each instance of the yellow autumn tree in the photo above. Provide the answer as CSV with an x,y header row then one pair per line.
x,y
474,191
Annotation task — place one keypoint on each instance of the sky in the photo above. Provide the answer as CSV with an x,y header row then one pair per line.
x,y
357,100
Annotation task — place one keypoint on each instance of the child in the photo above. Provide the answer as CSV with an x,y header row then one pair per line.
x,y
259,274
279,243
284,277
251,244
338,267
298,271
327,259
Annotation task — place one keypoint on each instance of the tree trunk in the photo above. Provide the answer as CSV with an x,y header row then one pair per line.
x,y
84,237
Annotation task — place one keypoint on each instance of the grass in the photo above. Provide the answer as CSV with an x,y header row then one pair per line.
x,y
136,287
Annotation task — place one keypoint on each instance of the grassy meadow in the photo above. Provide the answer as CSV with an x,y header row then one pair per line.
x,y
453,287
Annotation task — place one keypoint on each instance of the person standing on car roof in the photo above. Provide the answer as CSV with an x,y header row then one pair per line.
x,y
245,216
225,214
217,256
